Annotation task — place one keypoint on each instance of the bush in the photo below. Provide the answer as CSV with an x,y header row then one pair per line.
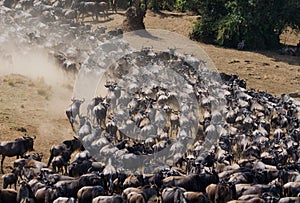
x,y
180,5
170,5
161,5
258,22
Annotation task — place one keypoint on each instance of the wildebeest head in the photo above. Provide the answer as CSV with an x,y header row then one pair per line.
x,y
92,179
28,142
79,101
74,144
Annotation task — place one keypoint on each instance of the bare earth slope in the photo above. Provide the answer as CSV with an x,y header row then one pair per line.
x,y
40,107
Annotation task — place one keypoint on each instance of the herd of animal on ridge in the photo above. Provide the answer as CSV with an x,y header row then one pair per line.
x,y
255,159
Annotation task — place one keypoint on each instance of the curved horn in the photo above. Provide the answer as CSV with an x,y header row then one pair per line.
x,y
73,98
83,99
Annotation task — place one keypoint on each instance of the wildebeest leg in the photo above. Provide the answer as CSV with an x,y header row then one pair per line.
x,y
82,16
73,128
105,14
77,16
66,170
3,157
50,159
70,117
114,5
97,17
102,122
111,185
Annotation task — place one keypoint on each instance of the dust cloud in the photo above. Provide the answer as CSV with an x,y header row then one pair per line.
x,y
35,63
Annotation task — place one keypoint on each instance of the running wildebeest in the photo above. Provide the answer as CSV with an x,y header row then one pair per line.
x,y
73,110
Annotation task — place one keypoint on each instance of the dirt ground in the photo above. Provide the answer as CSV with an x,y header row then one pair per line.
x,y
39,105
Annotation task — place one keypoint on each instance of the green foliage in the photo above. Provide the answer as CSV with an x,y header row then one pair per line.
x,y
258,22
180,5
170,5
192,5
167,5
161,5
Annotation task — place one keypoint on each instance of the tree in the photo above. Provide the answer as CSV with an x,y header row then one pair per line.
x,y
134,17
258,22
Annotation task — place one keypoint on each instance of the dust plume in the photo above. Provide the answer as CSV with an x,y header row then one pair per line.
x,y
35,63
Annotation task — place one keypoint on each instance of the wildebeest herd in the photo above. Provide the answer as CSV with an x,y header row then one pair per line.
x,y
71,9
240,145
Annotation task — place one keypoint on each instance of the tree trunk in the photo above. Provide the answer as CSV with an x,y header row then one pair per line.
x,y
134,19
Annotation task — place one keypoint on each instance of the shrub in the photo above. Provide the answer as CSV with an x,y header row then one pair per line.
x,y
258,22
180,5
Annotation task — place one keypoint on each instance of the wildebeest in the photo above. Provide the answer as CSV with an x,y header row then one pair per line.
x,y
135,197
93,8
60,163
34,156
290,50
47,194
289,200
241,45
68,64
26,4
194,197
79,168
87,193
56,150
146,192
25,193
99,113
10,179
172,194
94,102
291,189
65,200
10,3
62,152
8,196
74,110
16,148
69,188
221,192
109,199
73,144
191,182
